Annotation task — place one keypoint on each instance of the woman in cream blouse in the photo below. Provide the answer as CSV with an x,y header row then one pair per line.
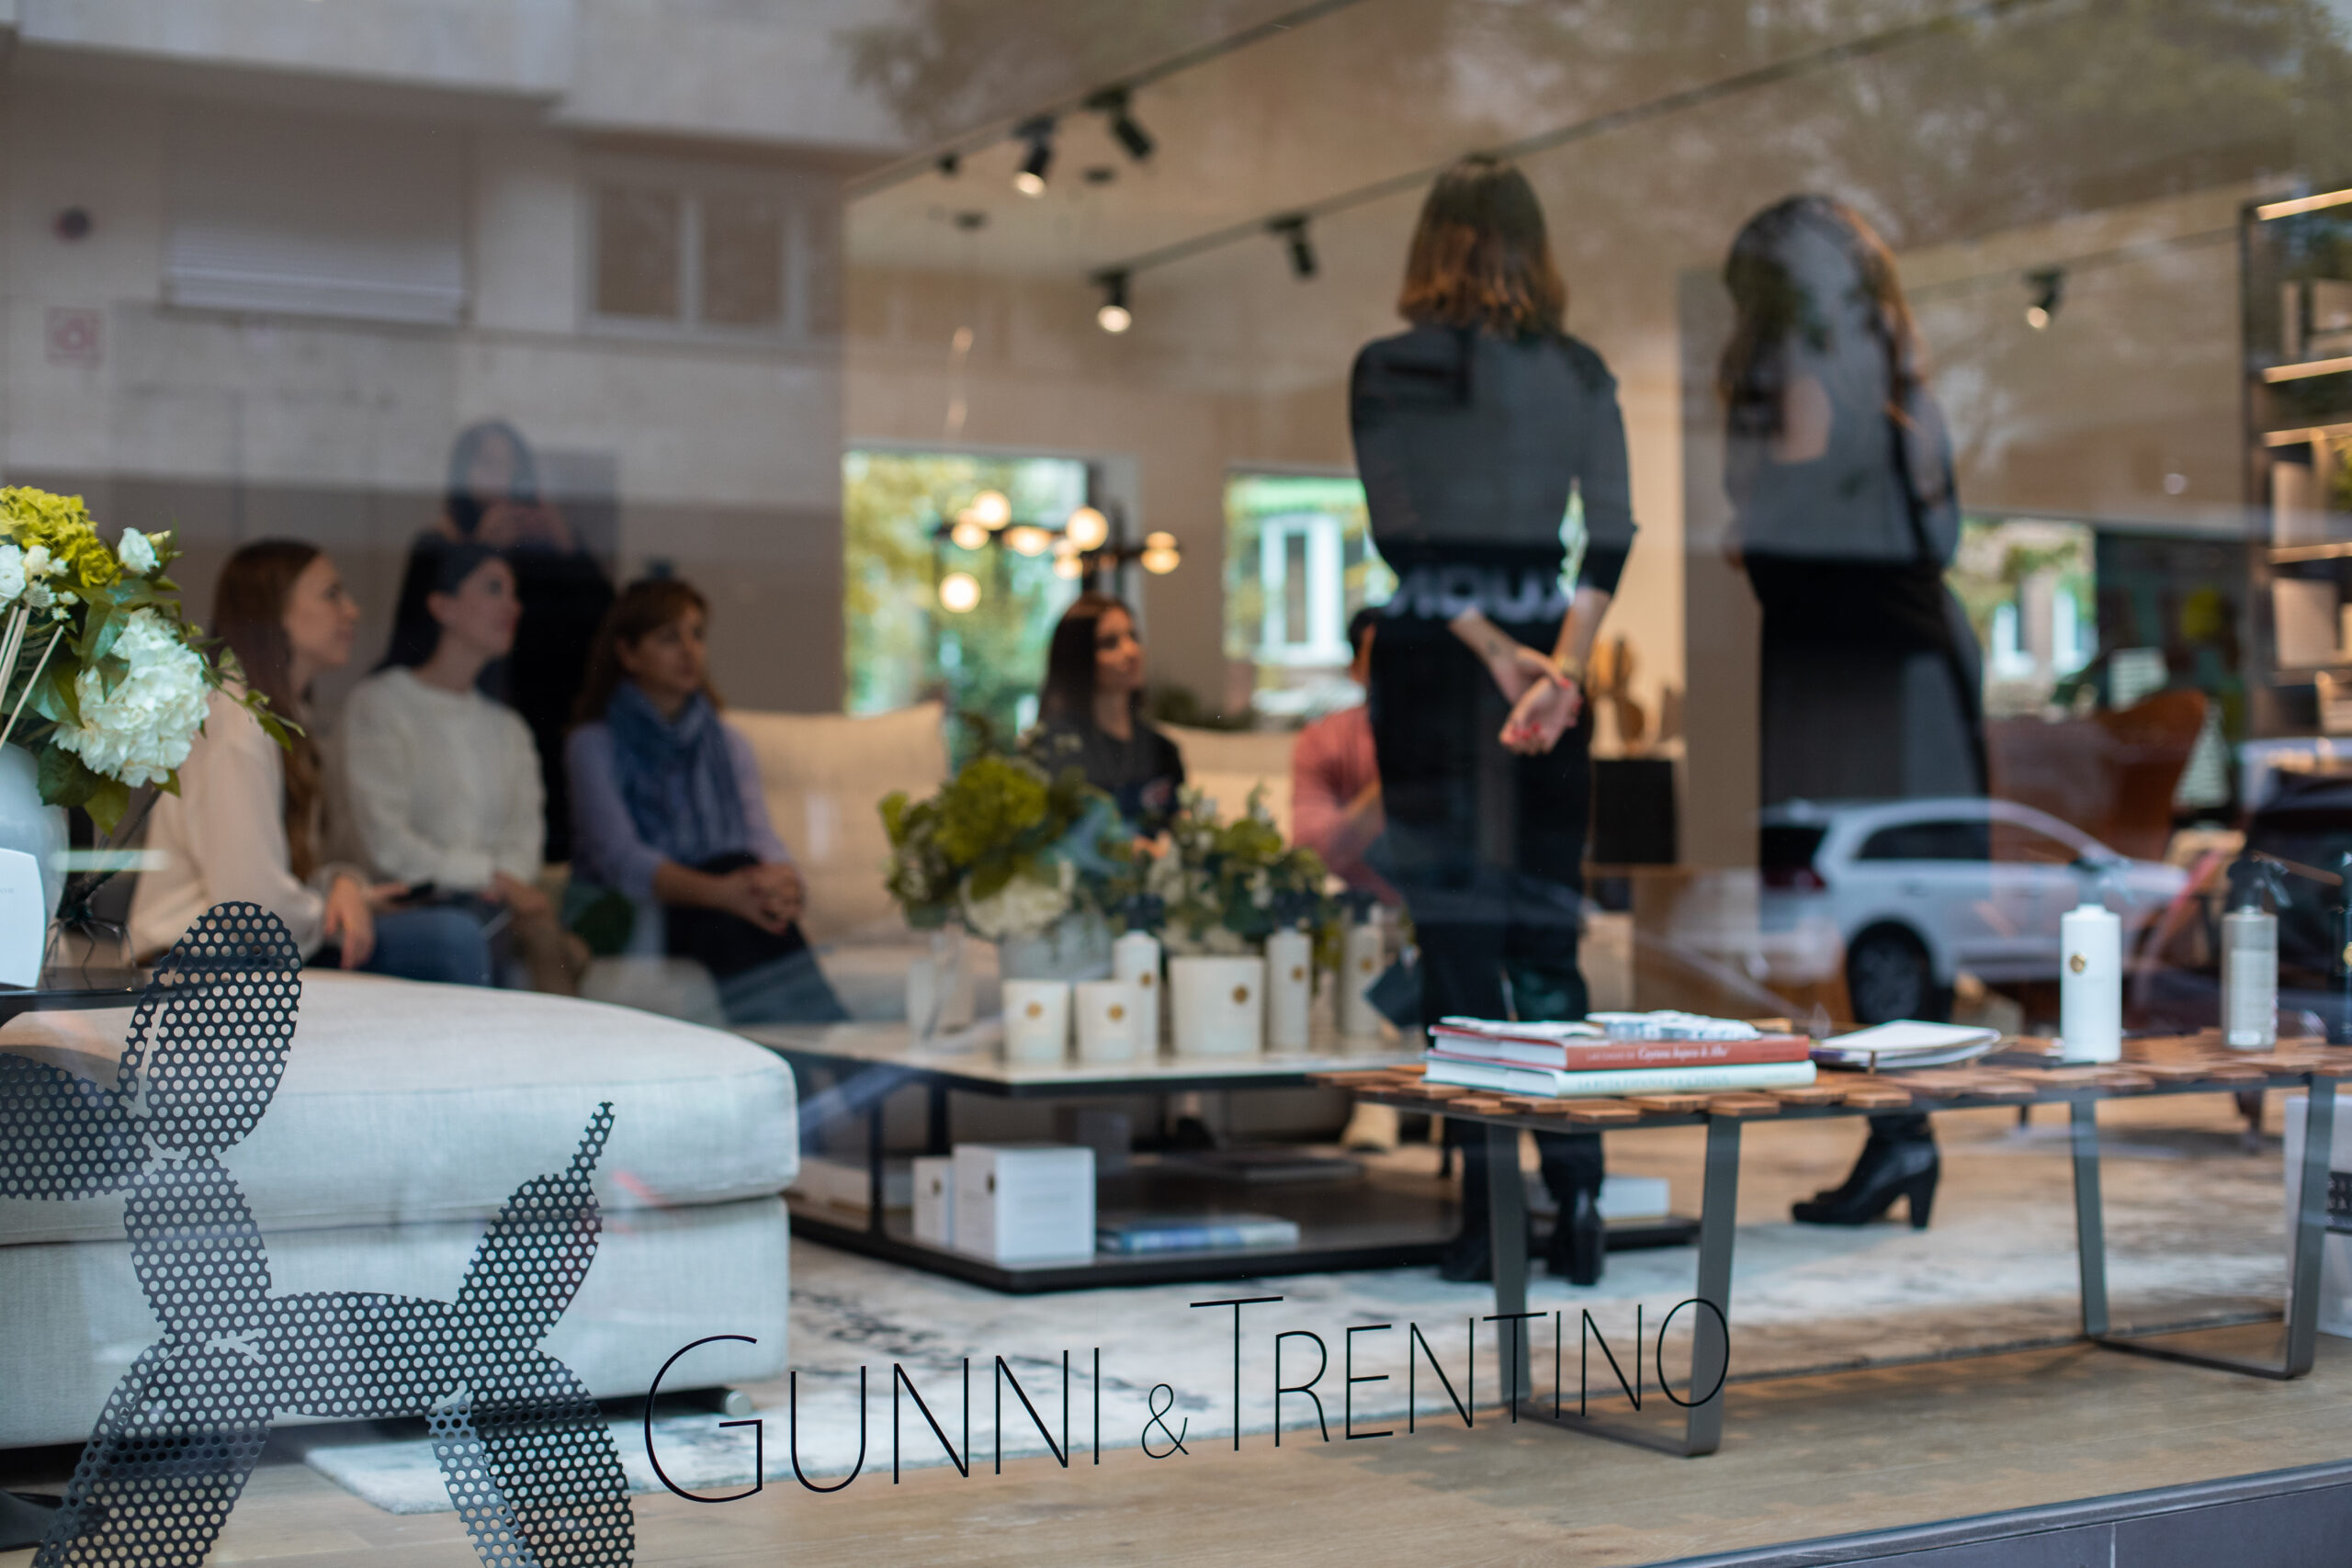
x,y
247,823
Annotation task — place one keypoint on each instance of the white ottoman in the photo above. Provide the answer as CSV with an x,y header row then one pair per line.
x,y
408,1113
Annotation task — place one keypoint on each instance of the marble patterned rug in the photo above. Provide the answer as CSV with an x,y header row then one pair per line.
x,y
2195,1229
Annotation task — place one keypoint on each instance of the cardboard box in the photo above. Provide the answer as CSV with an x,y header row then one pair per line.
x,y
1024,1202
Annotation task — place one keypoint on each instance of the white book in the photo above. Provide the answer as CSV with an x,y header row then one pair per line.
x,y
1540,1083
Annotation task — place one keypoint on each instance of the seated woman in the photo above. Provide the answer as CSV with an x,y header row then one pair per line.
x,y
666,808
444,783
1091,713
246,822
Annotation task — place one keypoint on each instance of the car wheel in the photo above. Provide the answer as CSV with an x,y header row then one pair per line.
x,y
1888,976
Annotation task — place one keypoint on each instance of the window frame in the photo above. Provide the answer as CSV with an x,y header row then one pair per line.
x,y
797,196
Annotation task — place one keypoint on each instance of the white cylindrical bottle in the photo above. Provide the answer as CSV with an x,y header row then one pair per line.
x,y
2090,984
2250,979
1290,989
1135,957
1361,962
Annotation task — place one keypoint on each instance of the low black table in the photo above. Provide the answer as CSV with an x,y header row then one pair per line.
x,y
2021,1076
1377,1222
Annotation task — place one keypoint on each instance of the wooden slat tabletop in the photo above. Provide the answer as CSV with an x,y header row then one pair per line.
x,y
2171,1063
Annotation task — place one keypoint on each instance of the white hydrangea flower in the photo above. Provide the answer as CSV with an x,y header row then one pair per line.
x,y
1024,907
136,553
37,562
12,574
139,731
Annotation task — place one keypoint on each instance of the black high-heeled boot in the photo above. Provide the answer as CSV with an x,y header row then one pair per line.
x,y
1891,1168
1579,1247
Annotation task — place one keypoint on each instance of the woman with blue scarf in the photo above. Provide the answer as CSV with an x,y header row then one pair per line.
x,y
667,810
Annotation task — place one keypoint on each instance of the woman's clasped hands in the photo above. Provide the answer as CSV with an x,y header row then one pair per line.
x,y
1546,700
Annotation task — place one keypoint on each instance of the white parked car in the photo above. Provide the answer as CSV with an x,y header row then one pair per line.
x,y
1920,890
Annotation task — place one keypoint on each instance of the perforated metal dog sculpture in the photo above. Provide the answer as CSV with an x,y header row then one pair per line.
x,y
528,1459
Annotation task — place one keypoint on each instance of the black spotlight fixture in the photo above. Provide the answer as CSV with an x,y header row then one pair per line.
x,y
1112,104
1292,232
1114,317
1039,134
949,166
2049,286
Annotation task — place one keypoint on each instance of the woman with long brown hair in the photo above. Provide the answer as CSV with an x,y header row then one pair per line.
x,y
1841,477
249,817
1474,432
1090,712
667,810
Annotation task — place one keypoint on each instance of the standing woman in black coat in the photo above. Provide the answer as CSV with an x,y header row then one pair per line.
x,y
1476,432
1840,475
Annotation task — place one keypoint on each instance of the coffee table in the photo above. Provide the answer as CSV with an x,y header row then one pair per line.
x,y
2027,1074
1384,1221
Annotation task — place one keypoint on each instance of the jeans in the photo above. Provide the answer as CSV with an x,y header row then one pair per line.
x,y
439,943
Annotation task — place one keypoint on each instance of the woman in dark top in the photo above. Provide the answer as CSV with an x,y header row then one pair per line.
x,y
1839,470
1474,433
493,499
1091,713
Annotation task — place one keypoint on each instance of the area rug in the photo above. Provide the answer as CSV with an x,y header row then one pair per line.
x,y
2194,1234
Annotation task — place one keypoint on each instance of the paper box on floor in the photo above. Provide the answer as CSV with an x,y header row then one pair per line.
x,y
2335,1247
1024,1202
935,1199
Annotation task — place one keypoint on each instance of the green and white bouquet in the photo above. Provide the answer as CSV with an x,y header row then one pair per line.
x,y
102,678
1006,847
1227,886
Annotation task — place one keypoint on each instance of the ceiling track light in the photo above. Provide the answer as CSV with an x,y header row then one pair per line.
x,y
1039,134
1292,232
1112,104
2049,286
1113,316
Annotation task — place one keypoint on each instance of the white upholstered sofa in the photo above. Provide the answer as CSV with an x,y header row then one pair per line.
x,y
407,1114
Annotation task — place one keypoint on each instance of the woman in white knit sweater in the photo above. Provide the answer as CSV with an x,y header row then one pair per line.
x,y
444,783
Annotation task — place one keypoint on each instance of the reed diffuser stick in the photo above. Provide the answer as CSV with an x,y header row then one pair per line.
x,y
30,683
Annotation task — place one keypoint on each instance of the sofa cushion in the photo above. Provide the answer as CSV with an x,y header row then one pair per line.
x,y
77,1317
404,1103
825,775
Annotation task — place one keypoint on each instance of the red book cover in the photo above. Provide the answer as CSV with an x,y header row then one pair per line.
x,y
1593,1055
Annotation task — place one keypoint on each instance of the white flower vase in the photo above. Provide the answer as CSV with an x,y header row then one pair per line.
x,y
1219,1005
39,830
1076,947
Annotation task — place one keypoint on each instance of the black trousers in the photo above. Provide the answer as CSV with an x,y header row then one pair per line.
x,y
1487,848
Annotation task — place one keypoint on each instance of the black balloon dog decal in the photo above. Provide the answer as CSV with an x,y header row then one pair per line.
x,y
527,1457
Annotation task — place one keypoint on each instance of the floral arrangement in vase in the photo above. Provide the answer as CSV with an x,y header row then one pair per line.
x,y
102,678
1004,846
1224,887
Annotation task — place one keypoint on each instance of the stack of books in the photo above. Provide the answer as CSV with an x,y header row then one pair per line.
x,y
1129,1235
1564,1061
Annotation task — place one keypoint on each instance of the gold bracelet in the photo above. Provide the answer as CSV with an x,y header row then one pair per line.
x,y
1571,669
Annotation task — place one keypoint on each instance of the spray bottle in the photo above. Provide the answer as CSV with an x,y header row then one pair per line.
x,y
2250,956
2090,979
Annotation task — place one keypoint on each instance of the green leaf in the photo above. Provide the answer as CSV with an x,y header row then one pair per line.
x,y
108,803
64,780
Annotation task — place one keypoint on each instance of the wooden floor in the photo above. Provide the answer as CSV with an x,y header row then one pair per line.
x,y
1803,1458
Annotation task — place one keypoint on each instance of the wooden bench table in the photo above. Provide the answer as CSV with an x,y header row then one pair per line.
x,y
2025,1075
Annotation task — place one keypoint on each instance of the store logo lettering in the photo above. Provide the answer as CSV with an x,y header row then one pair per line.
x,y
1161,1439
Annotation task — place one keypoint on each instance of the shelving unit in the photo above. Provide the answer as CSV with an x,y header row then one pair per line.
x,y
2296,298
